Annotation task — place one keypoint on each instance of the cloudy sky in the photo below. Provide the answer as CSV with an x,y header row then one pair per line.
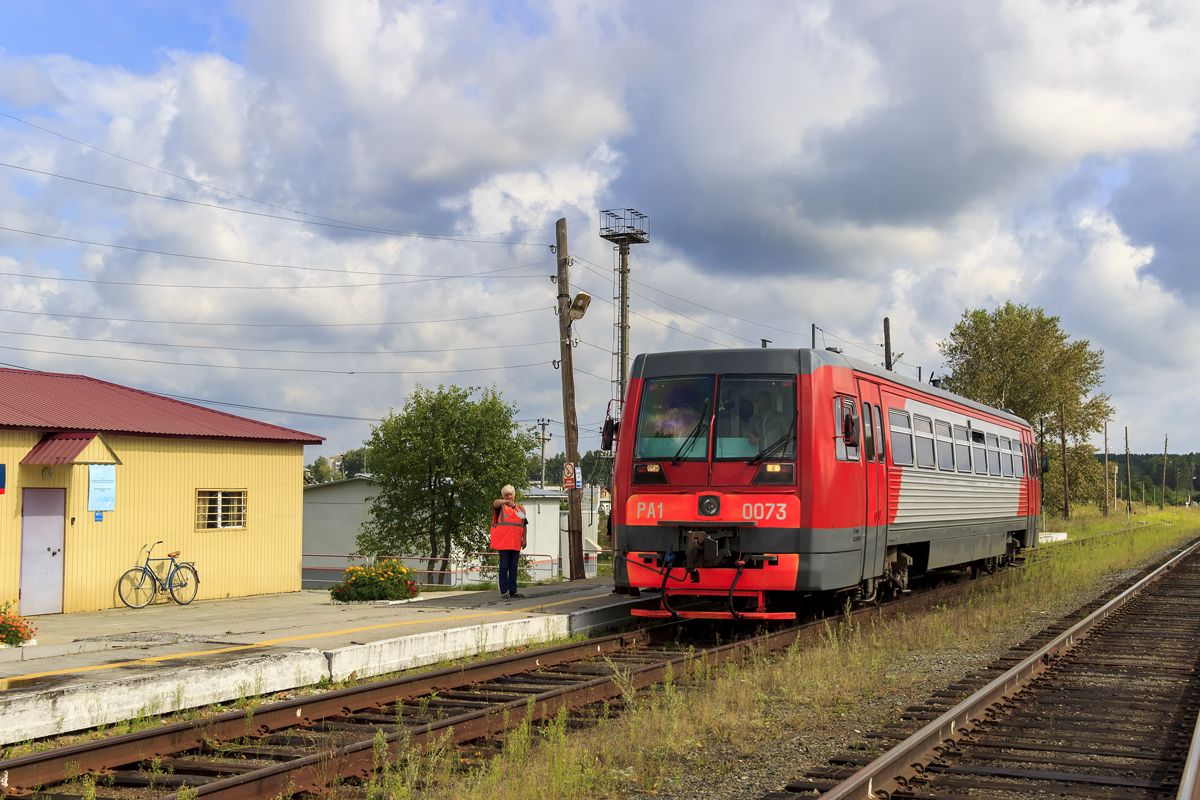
x,y
307,208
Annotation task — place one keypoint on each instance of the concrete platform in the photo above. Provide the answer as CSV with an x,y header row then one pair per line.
x,y
103,667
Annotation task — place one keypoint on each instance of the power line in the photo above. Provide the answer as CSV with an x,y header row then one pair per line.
x,y
673,311
258,287
697,305
272,324
271,350
217,207
261,263
658,322
235,194
206,401
275,369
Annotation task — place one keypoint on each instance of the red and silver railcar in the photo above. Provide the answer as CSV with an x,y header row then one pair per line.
x,y
754,476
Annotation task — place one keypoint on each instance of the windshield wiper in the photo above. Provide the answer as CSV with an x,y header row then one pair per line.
x,y
775,446
701,424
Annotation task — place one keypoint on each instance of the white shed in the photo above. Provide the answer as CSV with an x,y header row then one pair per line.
x,y
333,516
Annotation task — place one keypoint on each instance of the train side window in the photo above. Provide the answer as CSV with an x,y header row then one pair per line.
x,y
868,433
1006,459
945,446
1018,459
879,448
924,431
902,444
962,448
845,412
993,454
979,452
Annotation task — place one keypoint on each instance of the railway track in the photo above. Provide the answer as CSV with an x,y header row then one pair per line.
x,y
306,744
1105,707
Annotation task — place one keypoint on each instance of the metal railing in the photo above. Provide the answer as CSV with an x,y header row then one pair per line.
x,y
529,562
458,571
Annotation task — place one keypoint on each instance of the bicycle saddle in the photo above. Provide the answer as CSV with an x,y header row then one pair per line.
x,y
172,555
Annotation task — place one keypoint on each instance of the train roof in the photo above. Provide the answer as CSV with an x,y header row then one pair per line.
x,y
778,360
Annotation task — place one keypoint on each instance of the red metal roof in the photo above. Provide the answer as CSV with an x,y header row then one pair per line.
x,y
59,448
53,401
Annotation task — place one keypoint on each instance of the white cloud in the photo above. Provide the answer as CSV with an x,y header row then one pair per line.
x,y
827,163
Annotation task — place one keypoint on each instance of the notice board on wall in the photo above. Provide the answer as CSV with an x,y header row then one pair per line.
x,y
102,487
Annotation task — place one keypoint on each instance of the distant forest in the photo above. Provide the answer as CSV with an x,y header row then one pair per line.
x,y
1146,475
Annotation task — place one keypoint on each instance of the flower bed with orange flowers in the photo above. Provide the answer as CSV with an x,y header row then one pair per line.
x,y
14,629
387,580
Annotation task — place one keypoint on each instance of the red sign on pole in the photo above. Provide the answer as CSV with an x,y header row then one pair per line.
x,y
568,476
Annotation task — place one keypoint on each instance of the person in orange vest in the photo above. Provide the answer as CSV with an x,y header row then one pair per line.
x,y
510,528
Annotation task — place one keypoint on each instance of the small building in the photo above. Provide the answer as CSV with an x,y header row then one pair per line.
x,y
334,512
92,471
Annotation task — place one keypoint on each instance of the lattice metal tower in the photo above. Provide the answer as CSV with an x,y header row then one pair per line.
x,y
623,226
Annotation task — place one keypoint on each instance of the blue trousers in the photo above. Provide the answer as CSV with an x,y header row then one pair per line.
x,y
508,571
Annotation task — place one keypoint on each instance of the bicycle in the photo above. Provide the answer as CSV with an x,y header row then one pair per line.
x,y
138,586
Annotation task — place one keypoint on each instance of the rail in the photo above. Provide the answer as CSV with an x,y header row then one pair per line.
x,y
899,763
334,710
1189,784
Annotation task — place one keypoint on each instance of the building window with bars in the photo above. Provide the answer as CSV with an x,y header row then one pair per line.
x,y
220,508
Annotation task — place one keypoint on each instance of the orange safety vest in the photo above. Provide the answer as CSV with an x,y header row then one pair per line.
x,y
507,528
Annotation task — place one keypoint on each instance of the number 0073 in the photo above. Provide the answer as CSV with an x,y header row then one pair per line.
x,y
761,511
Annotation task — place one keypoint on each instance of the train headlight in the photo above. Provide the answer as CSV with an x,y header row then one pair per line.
x,y
649,473
709,505
775,475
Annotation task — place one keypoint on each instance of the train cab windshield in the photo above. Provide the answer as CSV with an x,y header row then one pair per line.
x,y
756,417
673,420
752,416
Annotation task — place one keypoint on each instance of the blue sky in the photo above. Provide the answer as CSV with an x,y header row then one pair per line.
x,y
807,163
133,34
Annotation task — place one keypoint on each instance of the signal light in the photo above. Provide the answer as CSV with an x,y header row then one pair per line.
x,y
709,505
775,475
649,473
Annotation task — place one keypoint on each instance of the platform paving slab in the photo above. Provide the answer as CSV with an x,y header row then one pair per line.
x,y
221,650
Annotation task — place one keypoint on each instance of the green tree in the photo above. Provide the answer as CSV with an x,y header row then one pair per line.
x,y
354,462
438,465
320,470
1019,358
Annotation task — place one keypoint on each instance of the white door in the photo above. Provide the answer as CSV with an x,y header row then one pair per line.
x,y
42,536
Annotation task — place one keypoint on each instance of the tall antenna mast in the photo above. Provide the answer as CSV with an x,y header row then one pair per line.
x,y
623,226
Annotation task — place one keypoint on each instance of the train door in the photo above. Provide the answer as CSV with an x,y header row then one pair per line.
x,y
875,484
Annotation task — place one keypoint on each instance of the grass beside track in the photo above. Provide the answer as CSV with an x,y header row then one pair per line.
x,y
705,723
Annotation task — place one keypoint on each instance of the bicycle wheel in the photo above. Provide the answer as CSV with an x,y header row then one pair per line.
x,y
184,584
137,587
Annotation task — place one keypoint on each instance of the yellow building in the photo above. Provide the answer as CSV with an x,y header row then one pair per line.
x,y
90,472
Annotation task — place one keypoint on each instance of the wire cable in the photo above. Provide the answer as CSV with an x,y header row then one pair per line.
x,y
258,287
276,369
274,350
242,196
275,324
218,207
258,263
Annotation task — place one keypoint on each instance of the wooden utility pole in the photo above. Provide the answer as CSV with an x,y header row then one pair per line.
x,y
1062,428
887,344
1128,477
1162,498
570,423
1106,468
